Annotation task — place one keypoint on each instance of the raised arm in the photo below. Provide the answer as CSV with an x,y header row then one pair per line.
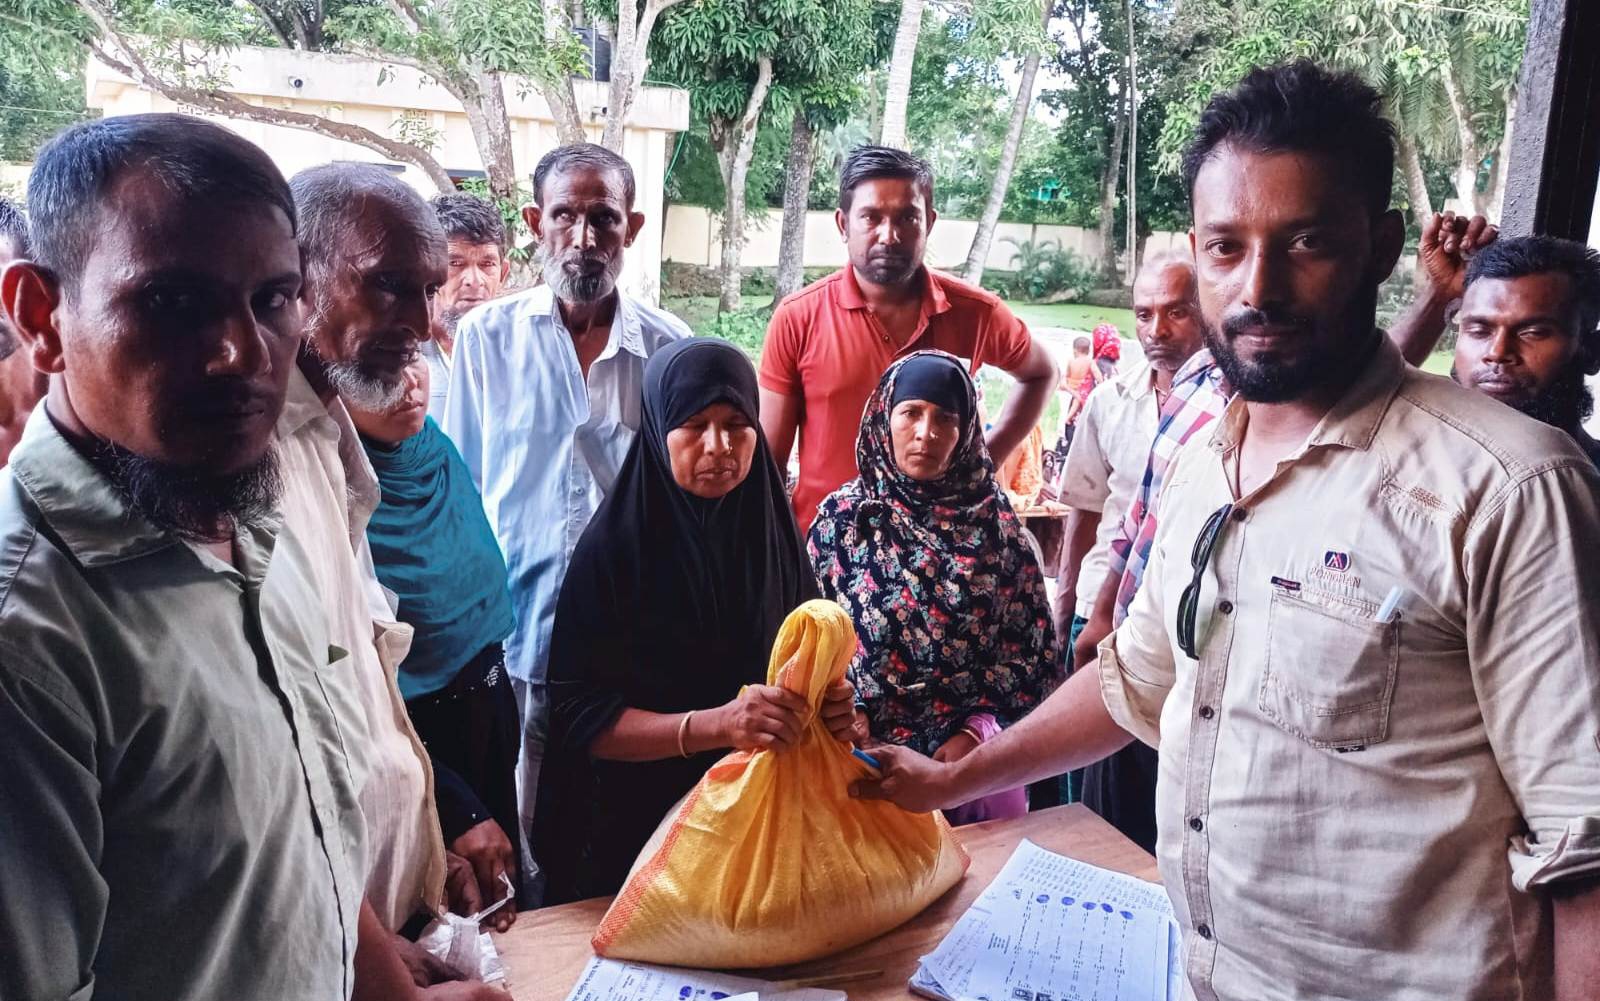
x,y
1448,243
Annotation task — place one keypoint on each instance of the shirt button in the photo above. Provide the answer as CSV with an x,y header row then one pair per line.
x,y
1206,712
1204,931
1196,824
1225,607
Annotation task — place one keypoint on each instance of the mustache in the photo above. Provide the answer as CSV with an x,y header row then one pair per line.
x,y
1238,323
579,257
228,395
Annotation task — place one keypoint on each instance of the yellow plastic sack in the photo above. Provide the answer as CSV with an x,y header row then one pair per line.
x,y
768,860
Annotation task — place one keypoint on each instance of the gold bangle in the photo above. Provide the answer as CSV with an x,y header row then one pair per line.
x,y
683,731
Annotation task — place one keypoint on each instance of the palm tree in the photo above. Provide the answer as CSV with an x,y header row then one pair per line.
x,y
905,54
984,237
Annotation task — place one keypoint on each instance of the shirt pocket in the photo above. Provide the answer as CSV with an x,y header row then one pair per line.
x,y
1330,673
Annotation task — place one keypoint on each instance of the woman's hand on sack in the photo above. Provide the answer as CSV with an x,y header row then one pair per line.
x,y
839,713
762,717
910,781
957,747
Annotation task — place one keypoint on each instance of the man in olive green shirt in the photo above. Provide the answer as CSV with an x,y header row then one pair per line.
x,y
178,817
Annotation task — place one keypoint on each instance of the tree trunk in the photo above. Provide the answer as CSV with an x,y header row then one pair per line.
x,y
796,188
1466,172
984,237
558,93
1495,197
1132,225
899,89
630,60
738,147
1416,181
1109,178
485,105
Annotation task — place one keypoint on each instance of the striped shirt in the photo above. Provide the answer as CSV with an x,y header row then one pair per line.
x,y
1199,395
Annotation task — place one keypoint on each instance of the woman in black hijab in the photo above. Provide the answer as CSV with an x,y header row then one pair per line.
x,y
666,621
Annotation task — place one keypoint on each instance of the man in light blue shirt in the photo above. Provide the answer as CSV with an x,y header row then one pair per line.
x,y
544,400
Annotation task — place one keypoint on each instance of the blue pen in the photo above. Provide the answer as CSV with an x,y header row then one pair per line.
x,y
866,759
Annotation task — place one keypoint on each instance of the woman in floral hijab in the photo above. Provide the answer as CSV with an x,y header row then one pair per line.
x,y
924,551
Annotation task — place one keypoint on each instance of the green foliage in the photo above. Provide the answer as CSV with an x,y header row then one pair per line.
x,y
41,73
1043,269
1404,49
457,36
510,213
745,329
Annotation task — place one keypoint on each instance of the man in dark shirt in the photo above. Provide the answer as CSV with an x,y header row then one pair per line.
x,y
1529,330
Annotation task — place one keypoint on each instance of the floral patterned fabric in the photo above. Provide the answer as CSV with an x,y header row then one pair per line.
x,y
948,600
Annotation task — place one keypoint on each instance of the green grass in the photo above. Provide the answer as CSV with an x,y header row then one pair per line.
x,y
1439,362
698,310
695,310
1074,315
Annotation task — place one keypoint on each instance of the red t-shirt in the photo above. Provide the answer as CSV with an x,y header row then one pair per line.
x,y
827,348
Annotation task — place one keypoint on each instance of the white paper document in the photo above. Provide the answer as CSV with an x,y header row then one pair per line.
x,y
1050,928
611,980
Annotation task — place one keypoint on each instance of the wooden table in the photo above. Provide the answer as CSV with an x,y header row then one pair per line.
x,y
546,950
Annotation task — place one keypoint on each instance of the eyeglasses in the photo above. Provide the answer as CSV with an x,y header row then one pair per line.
x,y
1189,601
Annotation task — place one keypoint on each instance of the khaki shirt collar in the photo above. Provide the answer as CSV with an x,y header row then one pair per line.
x,y
1355,418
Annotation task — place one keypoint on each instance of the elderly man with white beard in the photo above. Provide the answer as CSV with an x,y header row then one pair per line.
x,y
544,400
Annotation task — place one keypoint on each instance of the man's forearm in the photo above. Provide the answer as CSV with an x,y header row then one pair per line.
x,y
1020,415
1416,331
1069,730
1577,942
379,973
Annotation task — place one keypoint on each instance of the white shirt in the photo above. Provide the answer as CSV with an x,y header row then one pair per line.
x,y
1106,464
438,379
330,492
542,444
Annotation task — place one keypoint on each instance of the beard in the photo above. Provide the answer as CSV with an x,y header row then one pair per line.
x,y
891,268
196,506
1565,404
577,284
1325,360
362,389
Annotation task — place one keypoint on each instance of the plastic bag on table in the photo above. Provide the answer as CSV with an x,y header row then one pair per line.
x,y
462,945
768,860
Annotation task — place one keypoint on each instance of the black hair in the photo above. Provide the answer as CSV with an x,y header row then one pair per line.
x,y
1537,255
14,227
867,163
578,156
1301,107
467,217
192,157
327,195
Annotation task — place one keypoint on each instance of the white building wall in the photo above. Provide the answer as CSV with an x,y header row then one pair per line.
x,y
375,95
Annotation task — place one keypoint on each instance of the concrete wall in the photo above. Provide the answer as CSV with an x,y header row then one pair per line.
x,y
376,95
694,236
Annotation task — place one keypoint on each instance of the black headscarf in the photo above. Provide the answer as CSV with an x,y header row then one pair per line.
x,y
671,603
938,379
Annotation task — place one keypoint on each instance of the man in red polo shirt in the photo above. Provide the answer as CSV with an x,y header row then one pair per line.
x,y
830,343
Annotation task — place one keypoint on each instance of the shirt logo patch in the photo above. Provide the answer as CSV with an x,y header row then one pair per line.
x,y
1337,562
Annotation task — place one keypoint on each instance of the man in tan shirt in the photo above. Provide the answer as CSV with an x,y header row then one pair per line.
x,y
1367,642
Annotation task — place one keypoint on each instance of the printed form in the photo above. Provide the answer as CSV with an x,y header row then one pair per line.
x,y
1050,928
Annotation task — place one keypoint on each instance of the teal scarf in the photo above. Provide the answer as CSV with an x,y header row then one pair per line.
x,y
434,549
